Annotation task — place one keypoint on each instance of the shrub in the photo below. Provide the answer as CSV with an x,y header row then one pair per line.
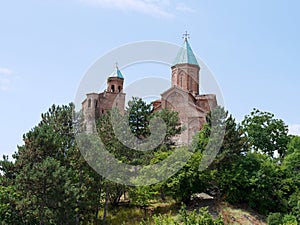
x,y
186,218
279,219
274,219
289,220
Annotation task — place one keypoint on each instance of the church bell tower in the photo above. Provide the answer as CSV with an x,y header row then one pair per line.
x,y
185,68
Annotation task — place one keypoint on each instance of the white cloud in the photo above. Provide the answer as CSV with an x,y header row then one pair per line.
x,y
183,8
5,71
294,129
156,8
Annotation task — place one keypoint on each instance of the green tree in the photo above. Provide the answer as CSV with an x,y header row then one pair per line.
x,y
280,219
173,126
139,112
141,196
233,144
294,204
266,133
53,180
7,172
122,133
241,176
187,180
115,192
294,144
230,153
45,191
9,214
291,164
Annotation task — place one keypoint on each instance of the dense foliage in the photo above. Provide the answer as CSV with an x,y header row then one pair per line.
x,y
202,217
49,182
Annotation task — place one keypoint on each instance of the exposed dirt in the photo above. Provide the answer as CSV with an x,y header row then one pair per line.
x,y
231,214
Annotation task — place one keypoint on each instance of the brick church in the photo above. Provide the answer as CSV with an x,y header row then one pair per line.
x,y
183,95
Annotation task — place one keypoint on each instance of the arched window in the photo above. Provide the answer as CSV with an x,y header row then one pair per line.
x,y
112,88
89,103
191,84
181,81
119,88
95,103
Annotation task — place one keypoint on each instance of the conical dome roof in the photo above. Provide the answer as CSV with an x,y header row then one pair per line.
x,y
185,55
116,73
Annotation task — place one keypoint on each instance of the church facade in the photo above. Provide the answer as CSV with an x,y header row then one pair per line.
x,y
183,96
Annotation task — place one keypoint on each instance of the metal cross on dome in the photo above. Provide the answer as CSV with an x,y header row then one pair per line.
x,y
186,35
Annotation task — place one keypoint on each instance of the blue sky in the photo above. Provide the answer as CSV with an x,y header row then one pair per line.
x,y
46,46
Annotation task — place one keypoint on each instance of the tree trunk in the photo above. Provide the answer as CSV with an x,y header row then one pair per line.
x,y
124,194
162,194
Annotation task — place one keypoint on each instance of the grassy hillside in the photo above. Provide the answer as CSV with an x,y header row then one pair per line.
x,y
126,214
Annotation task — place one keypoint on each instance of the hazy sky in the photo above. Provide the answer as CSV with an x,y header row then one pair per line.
x,y
46,46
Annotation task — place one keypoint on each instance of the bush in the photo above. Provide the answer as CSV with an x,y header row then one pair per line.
x,y
186,218
289,220
294,204
274,219
279,219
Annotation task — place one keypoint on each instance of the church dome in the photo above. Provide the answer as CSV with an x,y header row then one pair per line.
x,y
185,55
116,73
